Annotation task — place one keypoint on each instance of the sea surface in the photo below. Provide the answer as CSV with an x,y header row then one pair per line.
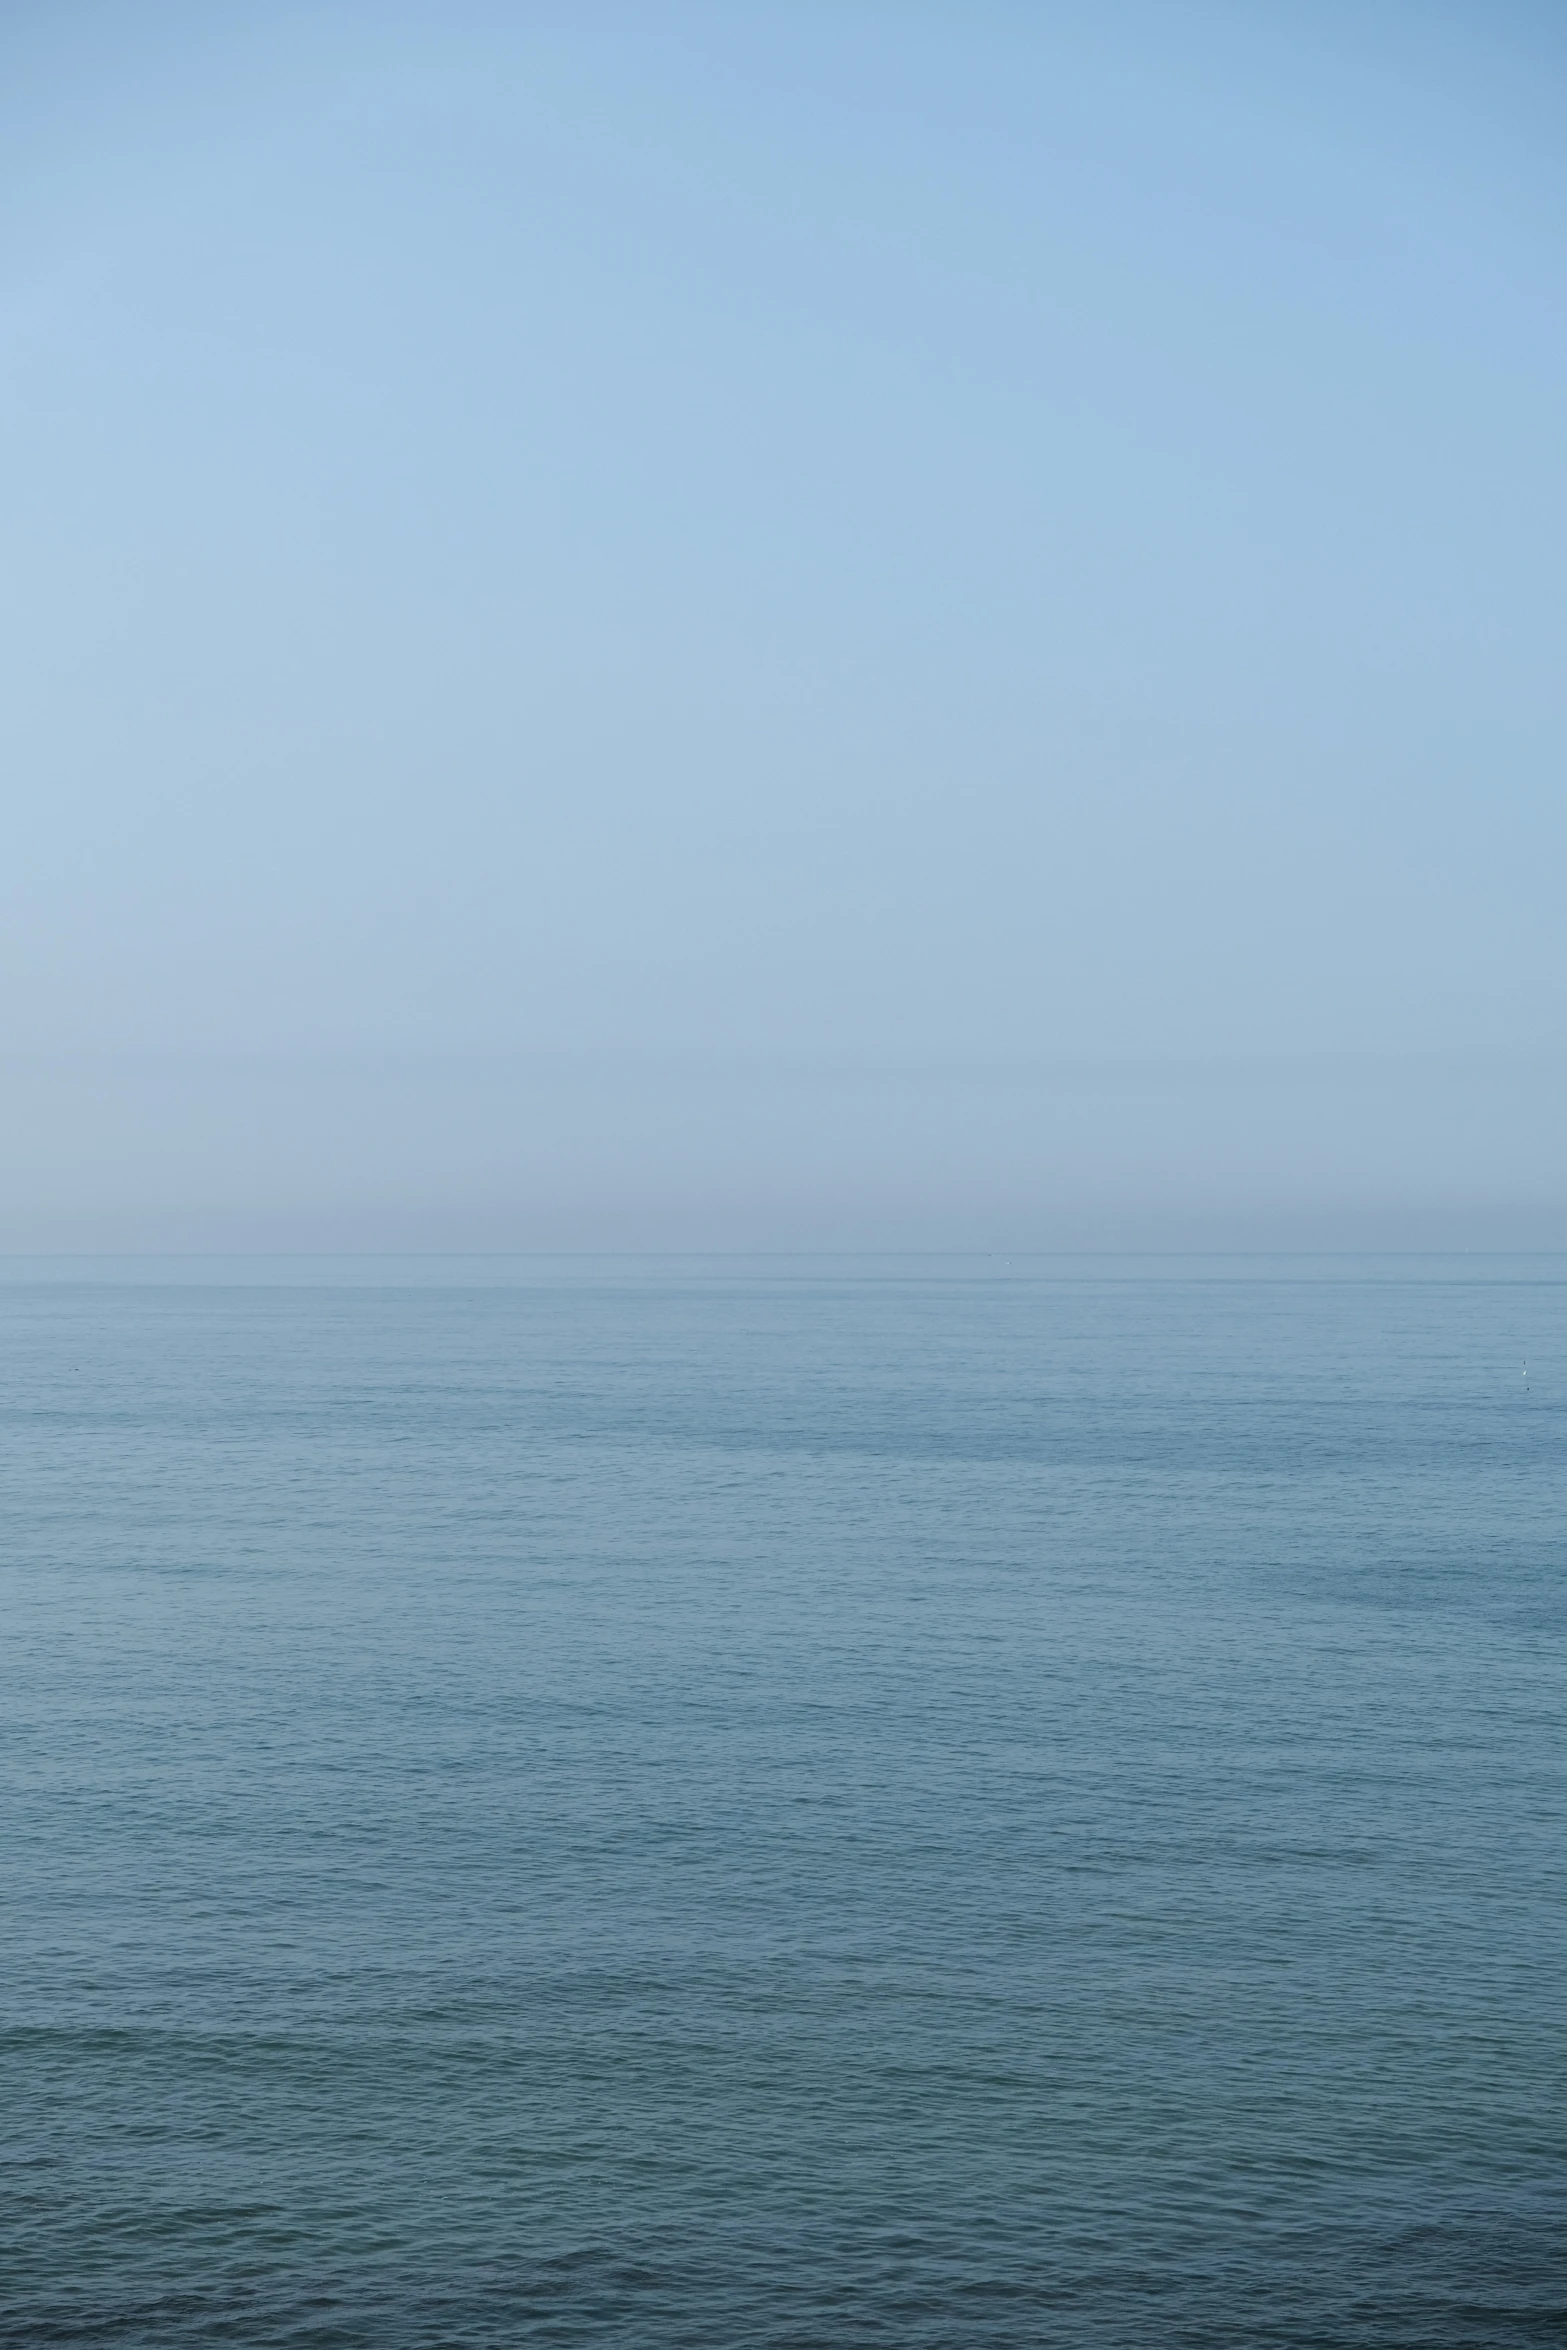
x,y
910,1802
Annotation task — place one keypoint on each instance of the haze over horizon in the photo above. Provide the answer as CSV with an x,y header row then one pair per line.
x,y
799,627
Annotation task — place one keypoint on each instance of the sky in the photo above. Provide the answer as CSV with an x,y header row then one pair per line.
x,y
887,624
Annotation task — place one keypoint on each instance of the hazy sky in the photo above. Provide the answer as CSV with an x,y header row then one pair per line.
x,y
783,624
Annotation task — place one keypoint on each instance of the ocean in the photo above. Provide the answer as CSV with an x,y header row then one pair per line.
x,y
784,1802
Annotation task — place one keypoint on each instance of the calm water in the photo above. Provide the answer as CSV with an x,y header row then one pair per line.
x,y
867,1802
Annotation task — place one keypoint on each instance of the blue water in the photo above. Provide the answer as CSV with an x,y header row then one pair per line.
x,y
782,1803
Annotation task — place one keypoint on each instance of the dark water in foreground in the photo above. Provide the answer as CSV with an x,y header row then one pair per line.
x,y
874,1802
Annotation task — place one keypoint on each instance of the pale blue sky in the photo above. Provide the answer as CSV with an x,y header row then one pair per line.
x,y
783,625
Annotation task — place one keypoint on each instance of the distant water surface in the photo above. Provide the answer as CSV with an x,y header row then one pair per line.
x,y
775,1803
